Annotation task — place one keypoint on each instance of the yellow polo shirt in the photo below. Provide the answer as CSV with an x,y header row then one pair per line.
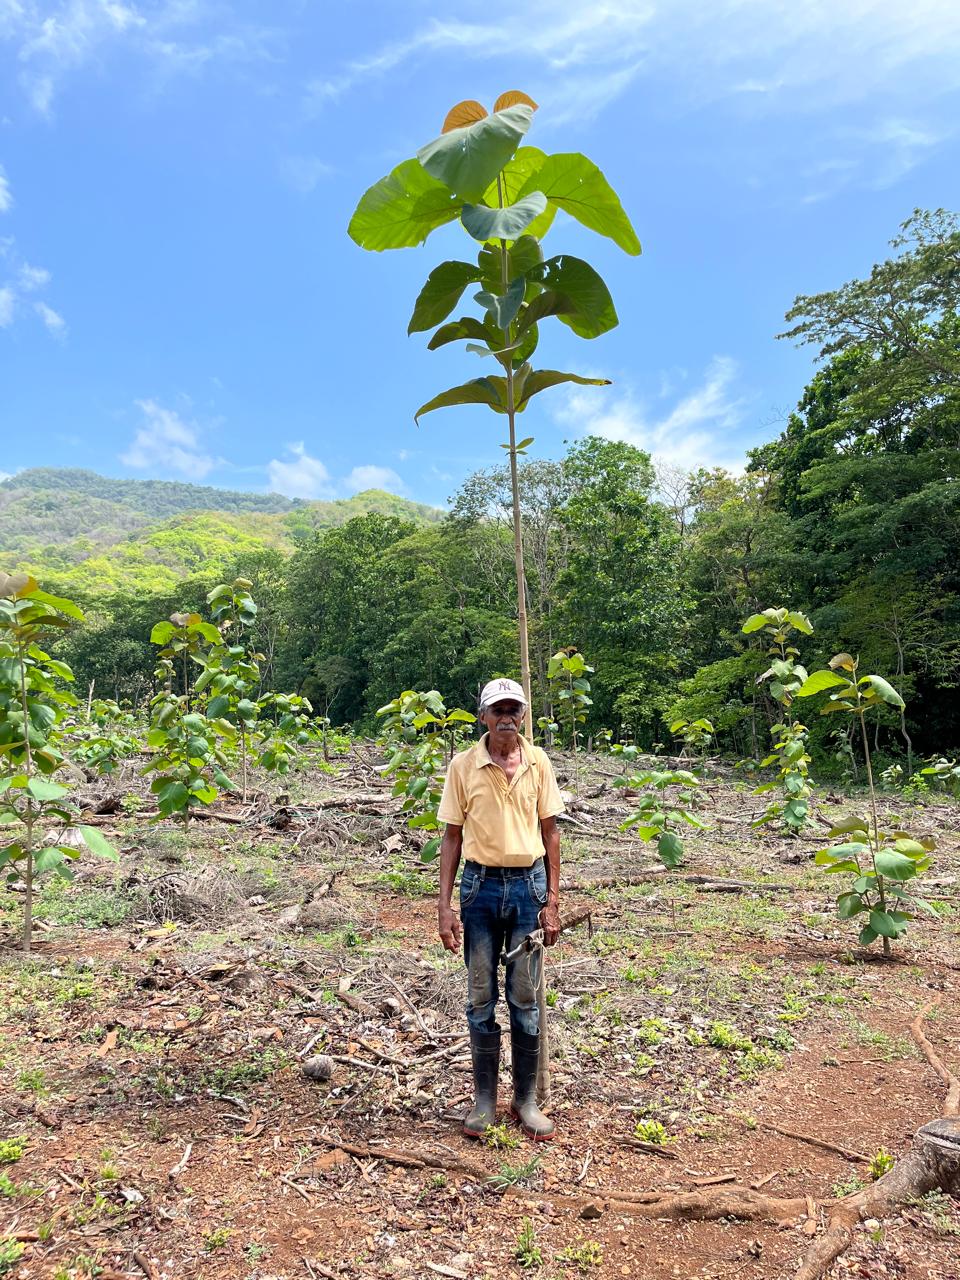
x,y
501,823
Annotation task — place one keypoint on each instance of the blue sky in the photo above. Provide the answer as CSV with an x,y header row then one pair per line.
x,y
179,298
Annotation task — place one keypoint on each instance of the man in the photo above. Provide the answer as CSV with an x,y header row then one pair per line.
x,y
500,804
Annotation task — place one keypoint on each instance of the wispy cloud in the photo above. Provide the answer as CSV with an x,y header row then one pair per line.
x,y
696,431
32,278
53,40
165,443
6,195
7,306
373,477
304,173
300,476
52,319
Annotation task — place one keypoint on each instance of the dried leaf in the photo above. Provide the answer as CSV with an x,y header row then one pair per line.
x,y
467,112
511,98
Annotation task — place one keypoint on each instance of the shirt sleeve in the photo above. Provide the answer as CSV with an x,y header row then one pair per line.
x,y
549,800
451,800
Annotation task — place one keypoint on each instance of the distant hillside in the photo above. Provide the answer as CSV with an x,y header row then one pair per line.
x,y
94,534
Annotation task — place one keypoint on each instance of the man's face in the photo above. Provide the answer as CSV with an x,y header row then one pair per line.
x,y
504,716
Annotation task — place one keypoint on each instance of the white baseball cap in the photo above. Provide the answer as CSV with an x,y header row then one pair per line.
x,y
502,691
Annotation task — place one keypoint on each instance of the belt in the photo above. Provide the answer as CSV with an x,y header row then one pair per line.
x,y
498,873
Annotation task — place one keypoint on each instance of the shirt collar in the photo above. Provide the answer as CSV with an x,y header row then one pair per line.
x,y
483,750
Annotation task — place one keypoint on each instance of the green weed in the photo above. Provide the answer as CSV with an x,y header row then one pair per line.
x,y
527,1252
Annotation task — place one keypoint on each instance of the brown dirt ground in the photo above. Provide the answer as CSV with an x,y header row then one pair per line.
x,y
158,1122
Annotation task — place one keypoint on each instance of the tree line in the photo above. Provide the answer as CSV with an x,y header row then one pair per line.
x,y
851,514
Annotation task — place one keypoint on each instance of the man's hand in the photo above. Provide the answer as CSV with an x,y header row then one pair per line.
x,y
449,928
550,923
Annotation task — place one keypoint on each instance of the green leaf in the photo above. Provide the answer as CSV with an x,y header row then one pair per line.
x,y
575,184
514,175
48,859
441,293
883,690
895,866
478,391
541,379
97,844
402,209
467,160
800,622
58,602
502,224
670,849
592,312
162,632
867,935
913,848
819,681
430,850
756,622
466,327
847,825
41,790
888,924
502,308
849,905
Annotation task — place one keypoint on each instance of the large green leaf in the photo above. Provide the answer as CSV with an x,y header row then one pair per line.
x,y
516,175
883,690
441,293
544,378
888,924
670,849
508,223
755,622
819,681
895,866
466,327
593,311
402,209
478,391
98,844
467,160
575,184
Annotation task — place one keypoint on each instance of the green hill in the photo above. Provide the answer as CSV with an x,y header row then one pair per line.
x,y
93,534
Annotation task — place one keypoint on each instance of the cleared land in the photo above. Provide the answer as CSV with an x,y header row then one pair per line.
x,y
156,1120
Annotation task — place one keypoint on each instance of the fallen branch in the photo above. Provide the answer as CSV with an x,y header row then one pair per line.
x,y
817,1142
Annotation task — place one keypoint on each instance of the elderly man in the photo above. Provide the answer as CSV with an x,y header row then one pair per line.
x,y
500,804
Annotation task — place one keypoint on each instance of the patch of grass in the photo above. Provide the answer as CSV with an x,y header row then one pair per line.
x,y
245,1072
11,1251
888,1048
881,1162
500,1137
756,1059
651,1031
34,1080
217,1238
722,1036
651,1131
583,1255
94,907
410,883
939,1211
12,1149
527,1253
847,1186
513,1175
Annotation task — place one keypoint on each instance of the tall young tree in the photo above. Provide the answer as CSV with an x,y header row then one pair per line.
x,y
506,197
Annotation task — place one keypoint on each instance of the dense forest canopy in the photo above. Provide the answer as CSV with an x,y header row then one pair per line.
x,y
851,514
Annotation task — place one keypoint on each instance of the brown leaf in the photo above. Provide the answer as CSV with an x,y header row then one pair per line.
x,y
109,1044
467,112
511,98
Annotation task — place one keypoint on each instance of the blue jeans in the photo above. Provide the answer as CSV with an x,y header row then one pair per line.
x,y
499,906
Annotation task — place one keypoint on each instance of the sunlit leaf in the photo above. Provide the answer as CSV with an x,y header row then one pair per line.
x,y
402,209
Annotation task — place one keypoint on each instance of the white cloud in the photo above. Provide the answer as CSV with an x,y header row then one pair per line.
x,y
6,195
31,278
373,477
7,303
56,37
4,475
304,173
302,477
695,432
166,443
52,319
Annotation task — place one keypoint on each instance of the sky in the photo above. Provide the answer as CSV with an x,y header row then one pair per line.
x,y
179,298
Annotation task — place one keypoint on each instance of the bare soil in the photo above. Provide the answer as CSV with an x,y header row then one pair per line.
x,y
156,1121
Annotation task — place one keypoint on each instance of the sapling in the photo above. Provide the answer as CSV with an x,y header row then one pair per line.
x,y
231,668
188,746
697,735
784,677
655,816
881,862
32,707
506,197
424,736
567,670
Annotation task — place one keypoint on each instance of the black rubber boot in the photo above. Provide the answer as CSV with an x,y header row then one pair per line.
x,y
485,1049
525,1050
